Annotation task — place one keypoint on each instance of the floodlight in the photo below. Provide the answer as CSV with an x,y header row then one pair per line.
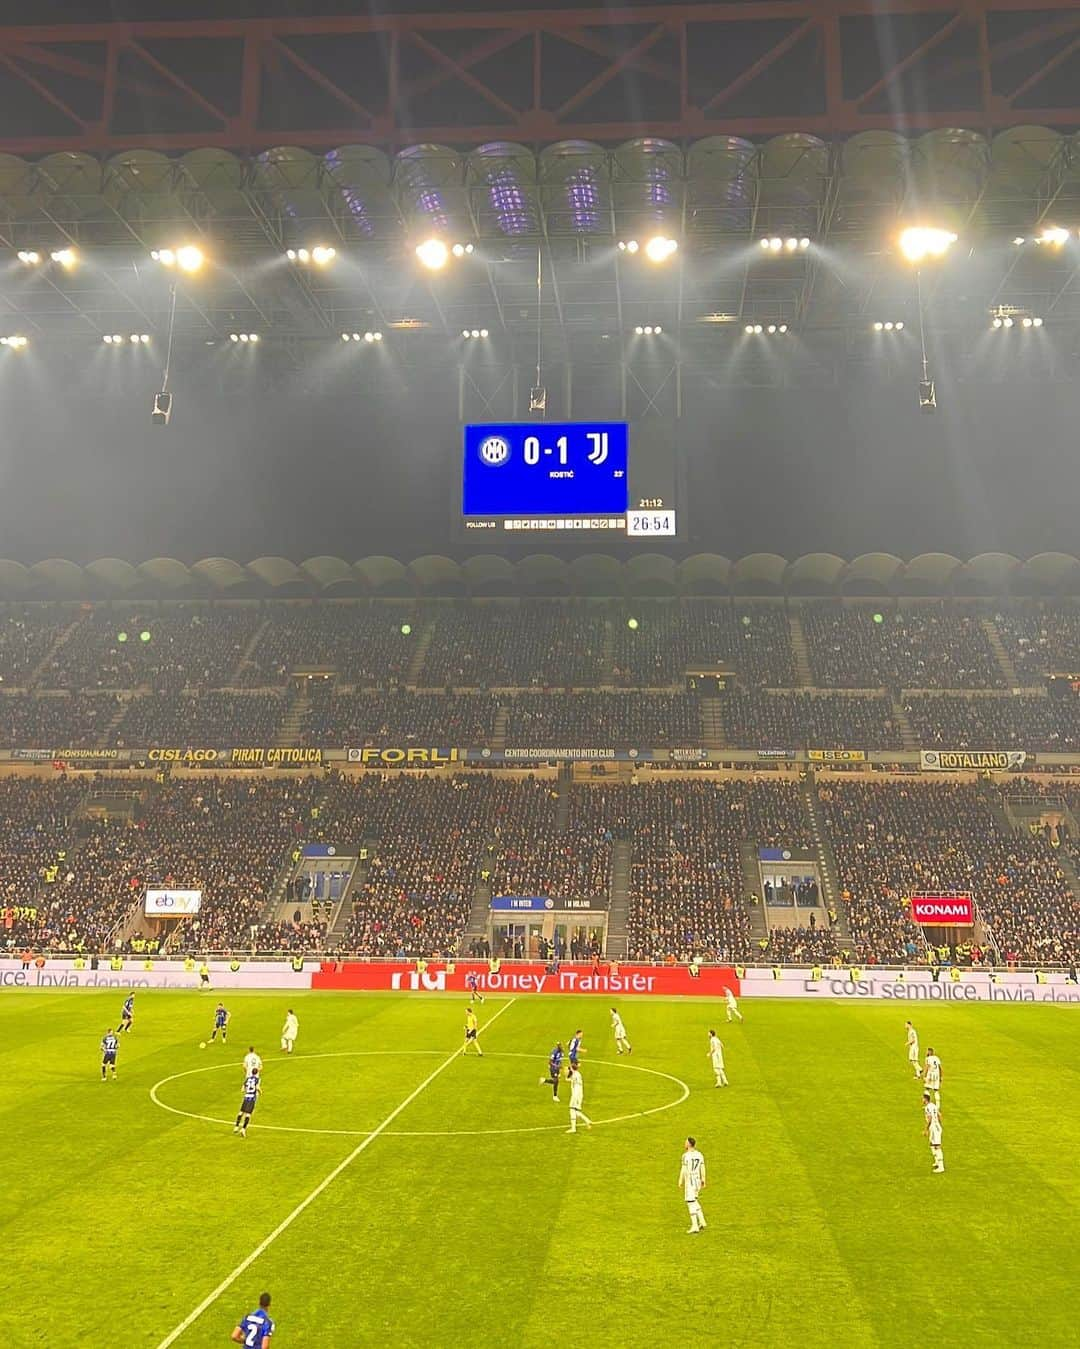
x,y
1054,236
771,328
804,244
66,257
1025,322
29,257
639,330
782,328
321,256
483,333
749,328
628,245
16,342
791,245
757,327
433,253
920,242
878,327
775,244
189,258
632,624
1036,322
660,248
1006,322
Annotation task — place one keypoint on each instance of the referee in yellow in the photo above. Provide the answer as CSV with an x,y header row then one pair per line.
x,y
472,1031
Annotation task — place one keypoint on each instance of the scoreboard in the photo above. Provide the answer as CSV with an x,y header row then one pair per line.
x,y
552,477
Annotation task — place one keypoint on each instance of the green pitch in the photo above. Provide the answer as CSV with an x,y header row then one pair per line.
x,y
471,1218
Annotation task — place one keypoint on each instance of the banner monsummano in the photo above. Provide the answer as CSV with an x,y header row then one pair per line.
x,y
172,903
438,977
943,910
960,760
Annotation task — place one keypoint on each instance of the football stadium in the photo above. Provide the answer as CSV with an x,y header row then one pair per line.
x,y
539,673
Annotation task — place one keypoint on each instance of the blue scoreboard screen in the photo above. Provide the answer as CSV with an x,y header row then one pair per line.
x,y
555,476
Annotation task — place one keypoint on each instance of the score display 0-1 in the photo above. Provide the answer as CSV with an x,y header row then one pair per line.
x,y
560,476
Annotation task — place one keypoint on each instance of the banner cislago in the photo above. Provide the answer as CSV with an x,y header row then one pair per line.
x,y
258,756
943,910
172,903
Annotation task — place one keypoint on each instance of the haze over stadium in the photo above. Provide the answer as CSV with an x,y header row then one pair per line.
x,y
541,599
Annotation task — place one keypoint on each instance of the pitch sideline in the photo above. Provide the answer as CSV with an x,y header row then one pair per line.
x,y
287,1221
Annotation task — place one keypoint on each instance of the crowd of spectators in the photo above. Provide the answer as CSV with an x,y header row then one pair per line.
x,y
363,643
687,894
893,840
51,721
800,945
166,647
1005,721
214,718
669,639
602,719
27,635
1041,638
923,646
399,717
754,719
528,645
35,828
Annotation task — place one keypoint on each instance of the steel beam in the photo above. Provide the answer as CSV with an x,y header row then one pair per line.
x,y
649,48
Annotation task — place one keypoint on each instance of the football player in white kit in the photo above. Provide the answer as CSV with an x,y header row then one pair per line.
x,y
932,1130
716,1055
913,1048
692,1182
732,1005
252,1062
622,1044
289,1031
932,1078
577,1096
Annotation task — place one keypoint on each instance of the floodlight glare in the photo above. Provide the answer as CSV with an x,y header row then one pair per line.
x,y
628,245
1025,323
345,337
1054,236
920,242
483,333
356,337
878,327
757,327
771,328
996,323
16,342
1036,323
888,327
321,256
775,244
369,337
899,326
244,337
1006,323
66,257
749,328
632,624
783,328
29,257
660,248
638,330
458,250
303,255
804,244
290,253
791,245
433,253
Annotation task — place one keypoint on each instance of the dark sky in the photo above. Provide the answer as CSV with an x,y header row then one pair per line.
x,y
84,11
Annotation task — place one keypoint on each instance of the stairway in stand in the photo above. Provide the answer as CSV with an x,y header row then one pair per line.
x,y
293,722
619,900
712,723
800,650
419,655
1002,656
908,739
751,896
826,860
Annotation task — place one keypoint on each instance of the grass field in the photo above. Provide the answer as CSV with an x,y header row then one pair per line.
x,y
471,1218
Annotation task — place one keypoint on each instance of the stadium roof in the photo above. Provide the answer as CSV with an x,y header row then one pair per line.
x,y
571,203
648,574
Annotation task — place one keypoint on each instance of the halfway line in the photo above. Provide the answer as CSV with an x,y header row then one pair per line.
x,y
286,1222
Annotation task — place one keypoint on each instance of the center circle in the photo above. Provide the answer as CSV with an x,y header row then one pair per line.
x,y
684,1092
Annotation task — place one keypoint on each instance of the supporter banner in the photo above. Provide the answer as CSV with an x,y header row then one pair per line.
x,y
541,753
776,754
70,755
943,910
688,755
267,756
527,978
172,903
957,760
836,755
537,904
319,850
786,855
393,755
914,986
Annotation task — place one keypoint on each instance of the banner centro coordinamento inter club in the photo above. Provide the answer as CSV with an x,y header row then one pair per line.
x,y
943,910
